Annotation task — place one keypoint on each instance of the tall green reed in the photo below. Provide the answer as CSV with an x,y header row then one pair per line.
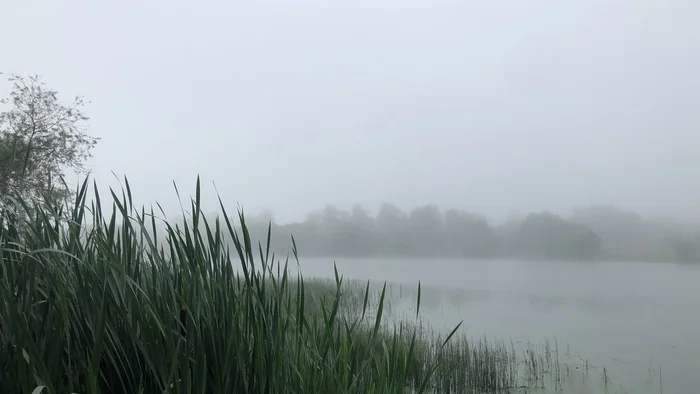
x,y
94,303
105,301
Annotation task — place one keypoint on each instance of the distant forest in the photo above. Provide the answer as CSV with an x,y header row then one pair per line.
x,y
593,233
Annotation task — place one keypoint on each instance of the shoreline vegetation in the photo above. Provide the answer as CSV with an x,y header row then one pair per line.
x,y
92,302
595,233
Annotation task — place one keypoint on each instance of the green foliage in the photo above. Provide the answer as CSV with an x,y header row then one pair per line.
x,y
40,138
91,303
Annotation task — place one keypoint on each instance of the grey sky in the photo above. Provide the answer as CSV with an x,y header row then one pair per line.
x,y
484,105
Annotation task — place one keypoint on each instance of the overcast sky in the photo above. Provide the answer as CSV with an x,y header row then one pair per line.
x,y
489,106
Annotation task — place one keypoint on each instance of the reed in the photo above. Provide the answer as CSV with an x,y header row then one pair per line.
x,y
120,301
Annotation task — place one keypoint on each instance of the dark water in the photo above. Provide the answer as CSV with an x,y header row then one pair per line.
x,y
640,321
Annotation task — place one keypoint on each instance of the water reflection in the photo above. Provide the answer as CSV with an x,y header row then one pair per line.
x,y
639,321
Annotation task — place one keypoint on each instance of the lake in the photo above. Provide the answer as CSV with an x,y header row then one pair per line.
x,y
640,321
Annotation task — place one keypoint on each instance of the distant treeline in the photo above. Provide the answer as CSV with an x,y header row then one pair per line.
x,y
594,233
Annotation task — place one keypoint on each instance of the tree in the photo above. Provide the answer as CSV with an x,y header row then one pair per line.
x,y
390,218
469,235
391,229
624,234
332,217
425,231
548,236
688,250
40,139
361,217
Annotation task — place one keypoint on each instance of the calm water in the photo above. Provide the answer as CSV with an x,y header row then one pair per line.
x,y
634,319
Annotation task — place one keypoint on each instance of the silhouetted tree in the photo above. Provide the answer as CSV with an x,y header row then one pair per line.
x,y
688,250
469,235
391,229
425,231
40,138
548,236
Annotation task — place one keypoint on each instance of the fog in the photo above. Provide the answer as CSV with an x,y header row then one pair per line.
x,y
491,107
533,163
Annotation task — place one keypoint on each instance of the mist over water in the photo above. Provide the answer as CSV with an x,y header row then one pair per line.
x,y
634,319
486,149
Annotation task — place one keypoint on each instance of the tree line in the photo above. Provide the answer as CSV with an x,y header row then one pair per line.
x,y
42,137
591,233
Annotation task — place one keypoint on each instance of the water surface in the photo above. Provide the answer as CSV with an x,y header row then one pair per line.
x,y
640,321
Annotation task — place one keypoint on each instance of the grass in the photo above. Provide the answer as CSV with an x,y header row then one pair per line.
x,y
93,303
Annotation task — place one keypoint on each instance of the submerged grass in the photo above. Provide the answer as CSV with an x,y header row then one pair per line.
x,y
93,303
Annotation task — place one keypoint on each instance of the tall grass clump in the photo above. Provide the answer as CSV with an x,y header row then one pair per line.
x,y
92,302
96,300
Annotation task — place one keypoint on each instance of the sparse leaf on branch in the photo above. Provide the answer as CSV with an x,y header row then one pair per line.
x,y
41,138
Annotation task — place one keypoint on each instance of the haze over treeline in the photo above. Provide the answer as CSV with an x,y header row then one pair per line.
x,y
599,232
507,105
